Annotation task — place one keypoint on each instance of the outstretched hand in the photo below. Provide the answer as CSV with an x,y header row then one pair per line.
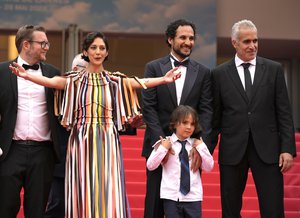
x,y
172,75
18,70
136,121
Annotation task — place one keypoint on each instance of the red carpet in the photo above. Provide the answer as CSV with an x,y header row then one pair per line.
x,y
136,177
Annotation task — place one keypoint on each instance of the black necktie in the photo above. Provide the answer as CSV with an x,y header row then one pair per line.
x,y
33,67
185,169
248,83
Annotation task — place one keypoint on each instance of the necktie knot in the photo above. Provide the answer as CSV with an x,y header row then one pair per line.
x,y
246,65
33,67
182,148
182,142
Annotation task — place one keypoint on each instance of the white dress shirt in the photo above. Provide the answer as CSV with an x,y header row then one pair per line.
x,y
32,116
179,83
240,69
170,182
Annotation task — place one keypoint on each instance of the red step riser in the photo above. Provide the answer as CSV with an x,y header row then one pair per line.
x,y
137,164
295,168
292,179
135,176
131,142
129,153
136,188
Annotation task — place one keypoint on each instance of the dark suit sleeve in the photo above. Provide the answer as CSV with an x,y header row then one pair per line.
x,y
284,115
216,118
8,106
204,109
150,114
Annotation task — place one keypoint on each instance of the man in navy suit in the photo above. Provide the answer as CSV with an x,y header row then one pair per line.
x,y
29,130
193,89
252,114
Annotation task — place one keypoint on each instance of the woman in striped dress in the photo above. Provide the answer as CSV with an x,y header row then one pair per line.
x,y
94,106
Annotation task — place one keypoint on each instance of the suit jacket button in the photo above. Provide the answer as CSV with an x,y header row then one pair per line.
x,y
249,113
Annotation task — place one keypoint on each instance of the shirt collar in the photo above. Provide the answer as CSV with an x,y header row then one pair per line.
x,y
20,61
172,57
174,139
239,61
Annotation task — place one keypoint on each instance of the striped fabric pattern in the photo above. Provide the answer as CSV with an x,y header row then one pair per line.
x,y
90,108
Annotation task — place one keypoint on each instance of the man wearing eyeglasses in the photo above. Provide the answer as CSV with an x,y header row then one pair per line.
x,y
29,131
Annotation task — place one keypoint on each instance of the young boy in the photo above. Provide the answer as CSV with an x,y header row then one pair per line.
x,y
181,189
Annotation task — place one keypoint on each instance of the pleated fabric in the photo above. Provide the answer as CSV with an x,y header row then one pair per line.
x,y
92,108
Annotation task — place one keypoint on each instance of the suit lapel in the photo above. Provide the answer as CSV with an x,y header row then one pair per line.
x,y
165,66
190,78
233,73
13,81
259,73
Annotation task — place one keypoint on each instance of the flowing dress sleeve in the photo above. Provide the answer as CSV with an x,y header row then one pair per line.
x,y
65,100
127,103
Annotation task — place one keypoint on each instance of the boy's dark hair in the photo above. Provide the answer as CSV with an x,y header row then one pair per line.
x,y
89,39
25,33
180,114
172,29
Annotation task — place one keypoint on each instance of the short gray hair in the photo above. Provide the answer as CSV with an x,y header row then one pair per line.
x,y
241,24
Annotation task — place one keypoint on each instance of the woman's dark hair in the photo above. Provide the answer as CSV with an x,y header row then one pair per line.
x,y
89,39
25,34
172,29
180,114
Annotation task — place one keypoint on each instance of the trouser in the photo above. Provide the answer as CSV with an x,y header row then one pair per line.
x,y
27,166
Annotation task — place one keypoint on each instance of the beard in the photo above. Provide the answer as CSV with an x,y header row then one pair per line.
x,y
35,56
178,52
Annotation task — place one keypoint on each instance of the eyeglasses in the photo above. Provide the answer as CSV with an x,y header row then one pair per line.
x,y
43,44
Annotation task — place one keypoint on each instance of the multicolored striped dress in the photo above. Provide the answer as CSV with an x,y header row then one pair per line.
x,y
94,108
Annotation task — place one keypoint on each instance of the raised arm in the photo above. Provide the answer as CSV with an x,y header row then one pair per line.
x,y
57,82
145,83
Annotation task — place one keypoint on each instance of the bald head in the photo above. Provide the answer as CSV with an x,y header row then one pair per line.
x,y
79,63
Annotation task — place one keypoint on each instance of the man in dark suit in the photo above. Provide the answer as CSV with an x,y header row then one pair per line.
x,y
29,131
193,89
253,116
